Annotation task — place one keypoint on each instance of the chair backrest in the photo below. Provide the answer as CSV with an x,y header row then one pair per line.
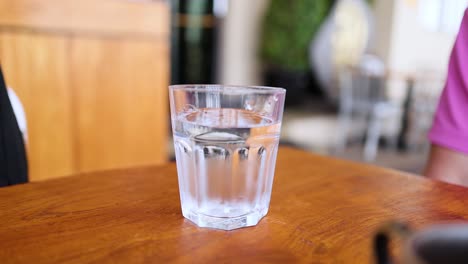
x,y
428,86
363,85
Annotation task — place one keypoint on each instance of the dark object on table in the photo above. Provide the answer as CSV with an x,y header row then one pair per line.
x,y
13,163
439,244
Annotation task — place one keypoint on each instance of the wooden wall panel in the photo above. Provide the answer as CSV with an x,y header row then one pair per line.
x,y
93,78
120,88
35,66
115,17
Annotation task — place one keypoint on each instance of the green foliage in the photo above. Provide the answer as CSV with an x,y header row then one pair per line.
x,y
288,28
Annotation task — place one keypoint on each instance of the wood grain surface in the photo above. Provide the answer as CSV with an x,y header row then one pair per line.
x,y
322,211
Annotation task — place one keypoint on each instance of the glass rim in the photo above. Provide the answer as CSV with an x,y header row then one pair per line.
x,y
202,88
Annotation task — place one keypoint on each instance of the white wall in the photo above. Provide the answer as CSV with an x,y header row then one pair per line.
x,y
383,11
404,43
407,47
240,41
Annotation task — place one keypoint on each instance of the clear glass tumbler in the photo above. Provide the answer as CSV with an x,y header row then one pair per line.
x,y
226,139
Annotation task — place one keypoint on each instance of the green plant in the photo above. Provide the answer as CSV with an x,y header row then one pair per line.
x,y
288,29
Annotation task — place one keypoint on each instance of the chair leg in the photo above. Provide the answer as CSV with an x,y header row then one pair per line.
x,y
344,122
345,111
372,141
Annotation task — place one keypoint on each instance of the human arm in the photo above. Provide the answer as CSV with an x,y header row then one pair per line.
x,y
448,160
447,165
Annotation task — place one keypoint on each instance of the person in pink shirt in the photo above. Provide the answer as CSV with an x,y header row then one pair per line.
x,y
448,160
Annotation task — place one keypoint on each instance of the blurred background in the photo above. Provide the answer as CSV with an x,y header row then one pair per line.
x,y
362,76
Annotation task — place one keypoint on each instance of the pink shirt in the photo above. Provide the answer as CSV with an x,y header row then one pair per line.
x,y
450,126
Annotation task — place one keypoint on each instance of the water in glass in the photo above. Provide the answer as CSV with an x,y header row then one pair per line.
x,y
226,160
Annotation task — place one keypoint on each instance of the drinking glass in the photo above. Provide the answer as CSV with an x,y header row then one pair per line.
x,y
226,140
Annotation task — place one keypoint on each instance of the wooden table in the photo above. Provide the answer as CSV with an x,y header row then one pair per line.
x,y
322,211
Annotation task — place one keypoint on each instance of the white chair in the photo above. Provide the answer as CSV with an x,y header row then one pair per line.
x,y
363,99
427,88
